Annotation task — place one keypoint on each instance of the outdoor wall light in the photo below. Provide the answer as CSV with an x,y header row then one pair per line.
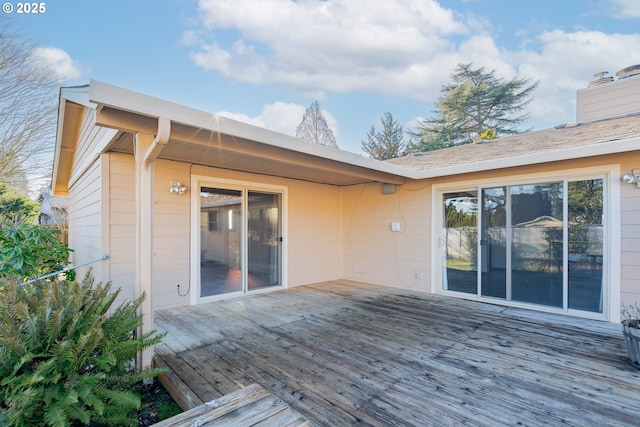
x,y
633,177
177,188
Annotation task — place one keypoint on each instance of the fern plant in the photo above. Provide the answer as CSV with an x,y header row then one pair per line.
x,y
66,358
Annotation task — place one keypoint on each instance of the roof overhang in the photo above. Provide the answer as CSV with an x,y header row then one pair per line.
x,y
70,110
201,138
208,139
597,149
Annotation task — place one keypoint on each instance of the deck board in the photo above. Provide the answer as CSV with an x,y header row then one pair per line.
x,y
348,353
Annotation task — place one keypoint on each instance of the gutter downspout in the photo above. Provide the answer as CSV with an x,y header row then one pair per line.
x,y
147,150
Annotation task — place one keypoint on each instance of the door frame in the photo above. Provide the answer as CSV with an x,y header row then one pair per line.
x,y
198,181
611,245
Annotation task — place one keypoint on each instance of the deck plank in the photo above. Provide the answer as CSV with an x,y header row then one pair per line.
x,y
349,353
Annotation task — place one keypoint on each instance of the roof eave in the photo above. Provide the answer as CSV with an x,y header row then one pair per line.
x,y
77,95
598,149
105,95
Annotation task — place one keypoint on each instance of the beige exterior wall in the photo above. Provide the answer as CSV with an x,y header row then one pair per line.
x,y
120,219
630,233
313,229
171,236
375,254
85,213
333,232
315,233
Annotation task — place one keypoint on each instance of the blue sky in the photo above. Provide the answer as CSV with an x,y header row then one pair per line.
x,y
265,61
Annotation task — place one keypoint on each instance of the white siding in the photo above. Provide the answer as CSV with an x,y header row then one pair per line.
x,y
630,234
608,100
119,211
90,140
171,233
85,226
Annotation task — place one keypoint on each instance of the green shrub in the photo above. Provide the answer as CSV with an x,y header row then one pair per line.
x,y
16,208
31,251
64,359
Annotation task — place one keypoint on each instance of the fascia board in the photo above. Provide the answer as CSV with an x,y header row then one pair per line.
x,y
104,94
602,148
75,94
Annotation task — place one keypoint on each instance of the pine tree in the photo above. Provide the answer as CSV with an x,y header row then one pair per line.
x,y
387,144
314,128
475,102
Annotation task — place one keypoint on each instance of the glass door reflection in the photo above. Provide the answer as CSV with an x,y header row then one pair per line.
x,y
220,241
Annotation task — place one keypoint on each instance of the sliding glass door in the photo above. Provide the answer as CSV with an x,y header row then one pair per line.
x,y
537,255
493,242
461,241
220,241
263,240
240,240
534,243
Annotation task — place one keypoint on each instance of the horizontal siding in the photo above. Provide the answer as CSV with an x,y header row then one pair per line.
x,y
91,140
315,233
171,234
630,233
375,254
122,224
85,232
608,100
314,226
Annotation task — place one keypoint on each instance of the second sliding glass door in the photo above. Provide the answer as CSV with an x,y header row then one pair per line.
x,y
240,240
539,243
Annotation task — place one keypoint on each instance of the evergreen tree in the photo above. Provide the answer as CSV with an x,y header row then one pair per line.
x,y
473,103
314,128
16,208
387,144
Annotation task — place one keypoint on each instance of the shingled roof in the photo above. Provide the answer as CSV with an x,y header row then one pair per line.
x,y
599,137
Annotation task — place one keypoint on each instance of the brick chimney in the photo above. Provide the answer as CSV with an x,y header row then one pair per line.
x,y
606,98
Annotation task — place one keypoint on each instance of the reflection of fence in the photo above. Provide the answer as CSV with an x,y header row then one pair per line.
x,y
527,242
462,242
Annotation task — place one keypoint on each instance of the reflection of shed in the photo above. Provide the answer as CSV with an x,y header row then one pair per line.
x,y
543,221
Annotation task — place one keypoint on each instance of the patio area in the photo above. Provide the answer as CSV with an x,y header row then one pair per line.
x,y
347,353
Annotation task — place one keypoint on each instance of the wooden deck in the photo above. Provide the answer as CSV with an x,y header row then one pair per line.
x,y
344,353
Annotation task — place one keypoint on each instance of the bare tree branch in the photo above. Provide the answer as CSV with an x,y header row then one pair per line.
x,y
28,99
314,128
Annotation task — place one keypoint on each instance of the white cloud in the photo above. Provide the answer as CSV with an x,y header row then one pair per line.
x,y
403,48
59,62
625,9
567,62
282,117
325,45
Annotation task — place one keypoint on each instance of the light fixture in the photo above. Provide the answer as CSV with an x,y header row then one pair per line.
x,y
177,188
633,177
388,188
